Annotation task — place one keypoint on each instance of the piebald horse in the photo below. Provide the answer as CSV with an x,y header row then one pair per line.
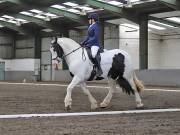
x,y
116,65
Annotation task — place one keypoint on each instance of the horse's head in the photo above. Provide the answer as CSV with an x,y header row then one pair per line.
x,y
56,50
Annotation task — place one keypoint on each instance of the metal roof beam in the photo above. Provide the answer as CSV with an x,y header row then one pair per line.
x,y
175,4
163,21
119,11
14,1
64,13
75,17
15,28
39,22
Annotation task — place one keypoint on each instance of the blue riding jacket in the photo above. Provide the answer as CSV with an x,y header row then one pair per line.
x,y
93,36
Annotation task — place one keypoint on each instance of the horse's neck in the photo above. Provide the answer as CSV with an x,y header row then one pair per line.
x,y
68,47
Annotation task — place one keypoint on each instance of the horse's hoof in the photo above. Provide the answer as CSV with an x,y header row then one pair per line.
x,y
103,105
140,106
94,107
68,108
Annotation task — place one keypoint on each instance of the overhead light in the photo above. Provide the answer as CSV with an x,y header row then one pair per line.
x,y
130,25
47,30
156,27
36,11
70,4
73,10
175,19
116,3
40,16
58,6
26,13
8,17
162,24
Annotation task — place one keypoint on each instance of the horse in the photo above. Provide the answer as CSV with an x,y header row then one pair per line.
x,y
116,66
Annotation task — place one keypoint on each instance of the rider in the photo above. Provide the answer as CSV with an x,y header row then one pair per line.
x,y
92,40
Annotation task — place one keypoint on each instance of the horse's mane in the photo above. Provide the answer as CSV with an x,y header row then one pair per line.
x,y
69,40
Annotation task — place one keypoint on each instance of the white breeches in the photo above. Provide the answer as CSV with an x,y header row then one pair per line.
x,y
94,50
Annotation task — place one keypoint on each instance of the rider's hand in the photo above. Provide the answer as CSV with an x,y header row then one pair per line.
x,y
82,44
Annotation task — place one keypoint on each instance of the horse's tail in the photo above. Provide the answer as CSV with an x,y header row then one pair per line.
x,y
138,83
124,84
116,72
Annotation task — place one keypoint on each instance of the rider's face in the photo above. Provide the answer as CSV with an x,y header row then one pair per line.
x,y
90,21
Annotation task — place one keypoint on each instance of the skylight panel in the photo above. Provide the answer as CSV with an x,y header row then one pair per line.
x,y
12,21
21,20
36,11
50,15
58,6
86,8
134,0
70,4
40,16
174,19
26,13
116,3
73,10
162,24
8,17
156,27
2,19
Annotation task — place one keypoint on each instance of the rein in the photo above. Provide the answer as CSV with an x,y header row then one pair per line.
x,y
83,55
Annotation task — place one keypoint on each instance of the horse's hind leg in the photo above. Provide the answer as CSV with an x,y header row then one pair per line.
x,y
91,98
68,99
137,96
112,88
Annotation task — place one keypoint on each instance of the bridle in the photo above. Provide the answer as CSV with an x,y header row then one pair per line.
x,y
65,55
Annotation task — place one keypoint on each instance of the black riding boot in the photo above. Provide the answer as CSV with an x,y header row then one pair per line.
x,y
97,63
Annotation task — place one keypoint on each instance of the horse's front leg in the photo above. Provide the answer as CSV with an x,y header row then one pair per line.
x,y
91,98
112,88
68,99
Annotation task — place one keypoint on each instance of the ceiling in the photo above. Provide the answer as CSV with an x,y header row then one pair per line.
x,y
29,16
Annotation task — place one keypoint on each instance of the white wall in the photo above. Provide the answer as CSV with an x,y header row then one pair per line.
x,y
170,52
21,64
163,51
111,36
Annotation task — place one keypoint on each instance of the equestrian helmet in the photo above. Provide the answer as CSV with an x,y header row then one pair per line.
x,y
94,16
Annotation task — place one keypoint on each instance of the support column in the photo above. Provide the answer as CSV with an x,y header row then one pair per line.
x,y
37,47
143,42
102,33
37,56
65,32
